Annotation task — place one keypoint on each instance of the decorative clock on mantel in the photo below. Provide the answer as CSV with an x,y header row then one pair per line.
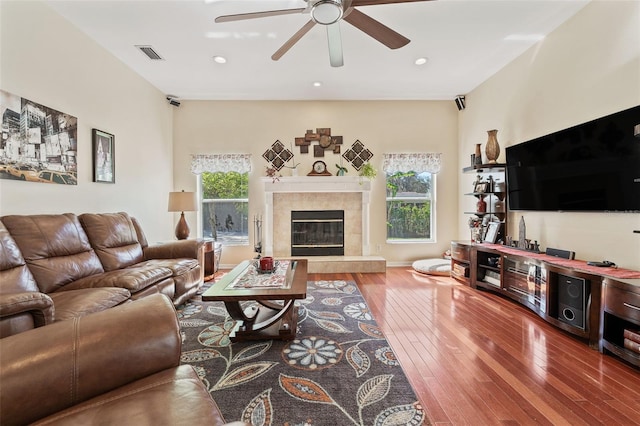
x,y
319,169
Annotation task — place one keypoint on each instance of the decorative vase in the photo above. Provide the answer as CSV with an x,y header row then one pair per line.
x,y
478,155
492,150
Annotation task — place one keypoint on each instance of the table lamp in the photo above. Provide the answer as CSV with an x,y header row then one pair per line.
x,y
182,202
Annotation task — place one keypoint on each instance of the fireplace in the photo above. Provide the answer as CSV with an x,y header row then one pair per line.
x,y
299,193
317,233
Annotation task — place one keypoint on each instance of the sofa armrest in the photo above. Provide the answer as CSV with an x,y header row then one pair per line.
x,y
38,305
190,249
72,361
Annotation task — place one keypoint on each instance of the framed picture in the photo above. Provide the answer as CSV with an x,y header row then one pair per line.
x,y
480,187
104,166
39,143
492,232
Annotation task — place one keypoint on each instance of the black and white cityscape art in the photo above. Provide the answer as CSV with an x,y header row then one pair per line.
x,y
39,144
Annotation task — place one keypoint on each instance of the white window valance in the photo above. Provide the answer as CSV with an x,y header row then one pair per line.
x,y
212,163
417,162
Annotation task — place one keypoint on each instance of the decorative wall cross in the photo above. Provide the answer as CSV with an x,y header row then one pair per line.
x,y
322,135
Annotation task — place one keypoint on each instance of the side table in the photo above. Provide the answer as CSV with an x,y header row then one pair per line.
x,y
212,254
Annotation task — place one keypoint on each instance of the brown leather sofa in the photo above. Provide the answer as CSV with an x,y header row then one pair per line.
x,y
116,367
62,266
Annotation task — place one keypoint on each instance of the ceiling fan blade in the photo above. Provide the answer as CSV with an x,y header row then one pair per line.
x,y
293,40
335,45
254,15
375,29
356,3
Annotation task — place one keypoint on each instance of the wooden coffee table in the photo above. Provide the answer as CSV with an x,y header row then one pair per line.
x,y
275,316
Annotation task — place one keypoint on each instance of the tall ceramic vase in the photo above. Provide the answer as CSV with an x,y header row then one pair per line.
x,y
492,150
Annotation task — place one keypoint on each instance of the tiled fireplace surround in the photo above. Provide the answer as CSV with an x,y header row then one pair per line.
x,y
351,194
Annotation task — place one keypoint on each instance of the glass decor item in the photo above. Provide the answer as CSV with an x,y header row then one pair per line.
x,y
492,150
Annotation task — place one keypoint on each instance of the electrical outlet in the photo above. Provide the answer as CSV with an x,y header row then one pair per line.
x,y
378,248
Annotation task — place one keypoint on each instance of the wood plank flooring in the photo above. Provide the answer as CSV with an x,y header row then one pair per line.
x,y
476,358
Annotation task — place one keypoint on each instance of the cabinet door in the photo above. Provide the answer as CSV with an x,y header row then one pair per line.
x,y
528,280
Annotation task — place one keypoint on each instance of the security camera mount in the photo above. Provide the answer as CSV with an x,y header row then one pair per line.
x,y
173,100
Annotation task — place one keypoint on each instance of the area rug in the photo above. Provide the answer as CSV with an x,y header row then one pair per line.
x,y
340,370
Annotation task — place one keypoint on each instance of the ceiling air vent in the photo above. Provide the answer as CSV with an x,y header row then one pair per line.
x,y
152,54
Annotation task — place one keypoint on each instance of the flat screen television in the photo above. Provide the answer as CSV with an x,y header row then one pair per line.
x,y
591,167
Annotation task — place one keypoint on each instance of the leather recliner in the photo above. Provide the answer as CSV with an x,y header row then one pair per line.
x,y
119,366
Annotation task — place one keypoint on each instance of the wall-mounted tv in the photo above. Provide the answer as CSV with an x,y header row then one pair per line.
x,y
591,167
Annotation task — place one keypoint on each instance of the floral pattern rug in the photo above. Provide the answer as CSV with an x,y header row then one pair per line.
x,y
338,371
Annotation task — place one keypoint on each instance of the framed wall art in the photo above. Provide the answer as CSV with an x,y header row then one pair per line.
x,y
104,166
39,143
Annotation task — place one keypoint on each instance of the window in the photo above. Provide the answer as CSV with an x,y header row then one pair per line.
x,y
225,207
224,183
411,201
410,206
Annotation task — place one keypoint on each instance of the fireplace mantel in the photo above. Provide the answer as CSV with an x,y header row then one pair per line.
x,y
314,184
317,184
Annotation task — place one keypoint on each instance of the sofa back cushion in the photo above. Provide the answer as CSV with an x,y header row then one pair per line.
x,y
141,237
113,236
55,248
15,277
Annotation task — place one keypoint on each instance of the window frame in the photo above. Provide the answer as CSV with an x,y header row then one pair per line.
x,y
431,198
202,201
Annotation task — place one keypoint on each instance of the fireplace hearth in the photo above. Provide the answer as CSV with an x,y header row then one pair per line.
x,y
317,233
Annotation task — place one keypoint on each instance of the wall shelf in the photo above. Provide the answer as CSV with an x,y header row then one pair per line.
x,y
491,197
485,168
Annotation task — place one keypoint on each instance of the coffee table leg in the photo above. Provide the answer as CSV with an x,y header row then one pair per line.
x,y
253,323
237,313
289,320
271,305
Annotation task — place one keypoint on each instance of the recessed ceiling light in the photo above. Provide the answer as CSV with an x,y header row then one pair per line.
x,y
421,61
317,83
220,59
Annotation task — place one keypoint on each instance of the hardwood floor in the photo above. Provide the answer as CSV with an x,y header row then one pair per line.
x,y
479,359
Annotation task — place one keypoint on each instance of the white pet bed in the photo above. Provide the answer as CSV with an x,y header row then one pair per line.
x,y
433,266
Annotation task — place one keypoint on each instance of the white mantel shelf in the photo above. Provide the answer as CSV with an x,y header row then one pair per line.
x,y
315,184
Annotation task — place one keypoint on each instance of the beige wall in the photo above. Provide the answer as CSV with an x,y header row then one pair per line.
x,y
47,60
206,127
589,67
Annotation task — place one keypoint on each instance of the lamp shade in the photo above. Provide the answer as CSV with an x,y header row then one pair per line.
x,y
182,202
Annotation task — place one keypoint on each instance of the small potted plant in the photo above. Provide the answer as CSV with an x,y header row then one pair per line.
x,y
367,171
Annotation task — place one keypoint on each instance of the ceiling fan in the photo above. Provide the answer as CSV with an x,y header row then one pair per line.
x,y
329,13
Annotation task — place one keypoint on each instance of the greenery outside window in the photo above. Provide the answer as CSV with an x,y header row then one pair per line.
x,y
410,198
225,207
410,206
224,195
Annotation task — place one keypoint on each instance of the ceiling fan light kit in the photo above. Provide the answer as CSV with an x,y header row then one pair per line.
x,y
330,13
327,12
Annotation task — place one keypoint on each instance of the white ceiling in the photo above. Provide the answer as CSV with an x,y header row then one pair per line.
x,y
464,41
